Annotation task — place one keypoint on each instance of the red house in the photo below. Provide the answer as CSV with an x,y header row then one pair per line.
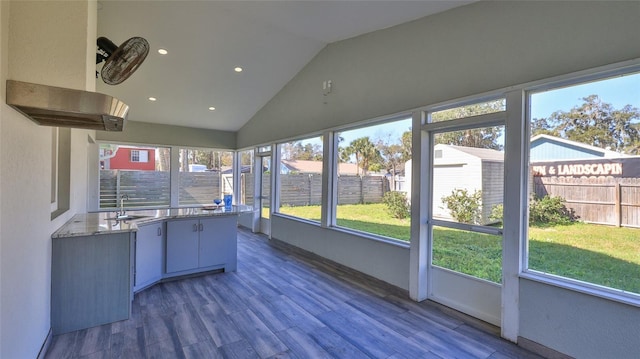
x,y
128,158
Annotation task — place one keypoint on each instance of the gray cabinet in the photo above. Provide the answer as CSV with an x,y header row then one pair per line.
x,y
149,255
90,280
193,244
183,239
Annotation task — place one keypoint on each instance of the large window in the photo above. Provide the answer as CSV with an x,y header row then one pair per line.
x,y
371,171
300,178
205,175
143,184
584,209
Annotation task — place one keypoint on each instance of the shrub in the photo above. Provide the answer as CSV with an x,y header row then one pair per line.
x,y
397,204
464,207
550,211
545,211
497,213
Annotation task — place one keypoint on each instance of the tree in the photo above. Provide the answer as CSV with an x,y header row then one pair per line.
x,y
365,152
595,123
393,157
478,137
405,142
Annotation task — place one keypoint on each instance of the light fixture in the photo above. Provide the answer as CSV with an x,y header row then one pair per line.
x,y
211,108
163,51
152,99
238,69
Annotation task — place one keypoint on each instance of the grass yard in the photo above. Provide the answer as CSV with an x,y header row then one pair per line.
x,y
597,254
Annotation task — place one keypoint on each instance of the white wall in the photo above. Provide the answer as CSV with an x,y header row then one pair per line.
x,y
386,261
43,42
469,50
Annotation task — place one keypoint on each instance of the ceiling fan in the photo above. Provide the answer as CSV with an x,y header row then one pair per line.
x,y
121,61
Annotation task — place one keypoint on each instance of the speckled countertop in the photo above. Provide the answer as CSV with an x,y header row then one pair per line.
x,y
105,222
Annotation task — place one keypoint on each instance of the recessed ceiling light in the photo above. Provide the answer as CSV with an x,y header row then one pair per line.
x,y
152,99
211,108
163,51
238,69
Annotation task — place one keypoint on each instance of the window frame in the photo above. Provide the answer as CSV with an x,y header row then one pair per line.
x,y
333,154
574,79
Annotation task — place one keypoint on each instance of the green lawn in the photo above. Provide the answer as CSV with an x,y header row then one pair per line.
x,y
602,255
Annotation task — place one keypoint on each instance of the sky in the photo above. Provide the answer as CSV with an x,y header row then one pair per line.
x,y
619,92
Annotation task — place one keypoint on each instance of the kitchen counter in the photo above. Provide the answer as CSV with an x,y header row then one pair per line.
x,y
105,222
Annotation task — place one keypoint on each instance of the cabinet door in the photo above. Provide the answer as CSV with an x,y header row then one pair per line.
x,y
216,236
149,254
182,245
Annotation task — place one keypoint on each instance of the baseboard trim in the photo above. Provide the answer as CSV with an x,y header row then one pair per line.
x,y
541,349
45,346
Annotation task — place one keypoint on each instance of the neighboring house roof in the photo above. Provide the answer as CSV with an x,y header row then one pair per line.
x,y
302,166
567,149
481,153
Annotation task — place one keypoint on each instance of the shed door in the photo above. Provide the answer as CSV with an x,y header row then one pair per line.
x,y
466,174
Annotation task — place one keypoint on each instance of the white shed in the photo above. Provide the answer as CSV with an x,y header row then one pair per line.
x,y
473,169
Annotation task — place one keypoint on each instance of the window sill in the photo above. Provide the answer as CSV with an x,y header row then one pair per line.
x,y
595,290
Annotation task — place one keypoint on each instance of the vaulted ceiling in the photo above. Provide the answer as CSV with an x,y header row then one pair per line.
x,y
207,40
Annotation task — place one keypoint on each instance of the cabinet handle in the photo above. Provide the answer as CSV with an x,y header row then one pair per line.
x,y
201,227
159,231
195,227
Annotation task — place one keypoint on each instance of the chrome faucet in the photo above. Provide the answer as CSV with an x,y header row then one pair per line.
x,y
121,212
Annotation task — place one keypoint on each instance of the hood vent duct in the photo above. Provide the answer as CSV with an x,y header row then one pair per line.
x,y
61,107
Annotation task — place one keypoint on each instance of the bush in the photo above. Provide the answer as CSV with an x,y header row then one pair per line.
x,y
397,204
545,211
550,211
464,207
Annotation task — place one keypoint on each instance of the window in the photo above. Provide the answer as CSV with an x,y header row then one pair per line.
x,y
371,167
60,171
139,156
584,209
474,109
146,183
205,175
300,178
247,178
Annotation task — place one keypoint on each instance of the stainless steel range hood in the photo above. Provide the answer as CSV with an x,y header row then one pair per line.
x,y
61,107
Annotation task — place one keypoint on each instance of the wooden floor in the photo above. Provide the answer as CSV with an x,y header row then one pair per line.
x,y
284,304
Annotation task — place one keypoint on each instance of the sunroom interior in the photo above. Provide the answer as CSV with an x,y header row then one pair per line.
x,y
489,67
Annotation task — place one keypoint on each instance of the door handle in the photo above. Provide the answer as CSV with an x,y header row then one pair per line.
x,y
195,227
201,227
159,231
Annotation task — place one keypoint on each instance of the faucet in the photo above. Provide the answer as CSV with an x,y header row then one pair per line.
x,y
121,212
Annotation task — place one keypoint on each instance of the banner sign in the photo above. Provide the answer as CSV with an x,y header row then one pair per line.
x,y
614,167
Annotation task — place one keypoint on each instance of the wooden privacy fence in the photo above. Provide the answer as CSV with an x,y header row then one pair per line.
x,y
613,201
152,188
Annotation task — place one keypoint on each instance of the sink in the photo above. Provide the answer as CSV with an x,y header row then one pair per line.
x,y
126,217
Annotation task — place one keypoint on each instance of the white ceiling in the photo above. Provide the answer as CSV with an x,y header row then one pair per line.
x,y
206,40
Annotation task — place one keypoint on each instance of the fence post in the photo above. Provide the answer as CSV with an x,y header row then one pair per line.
x,y
618,190
309,179
361,189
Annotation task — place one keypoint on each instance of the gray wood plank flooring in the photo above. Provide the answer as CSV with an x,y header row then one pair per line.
x,y
284,303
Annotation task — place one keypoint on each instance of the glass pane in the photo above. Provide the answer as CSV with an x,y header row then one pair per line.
x,y
205,175
247,178
475,254
266,186
301,178
469,110
141,173
468,175
584,212
372,163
